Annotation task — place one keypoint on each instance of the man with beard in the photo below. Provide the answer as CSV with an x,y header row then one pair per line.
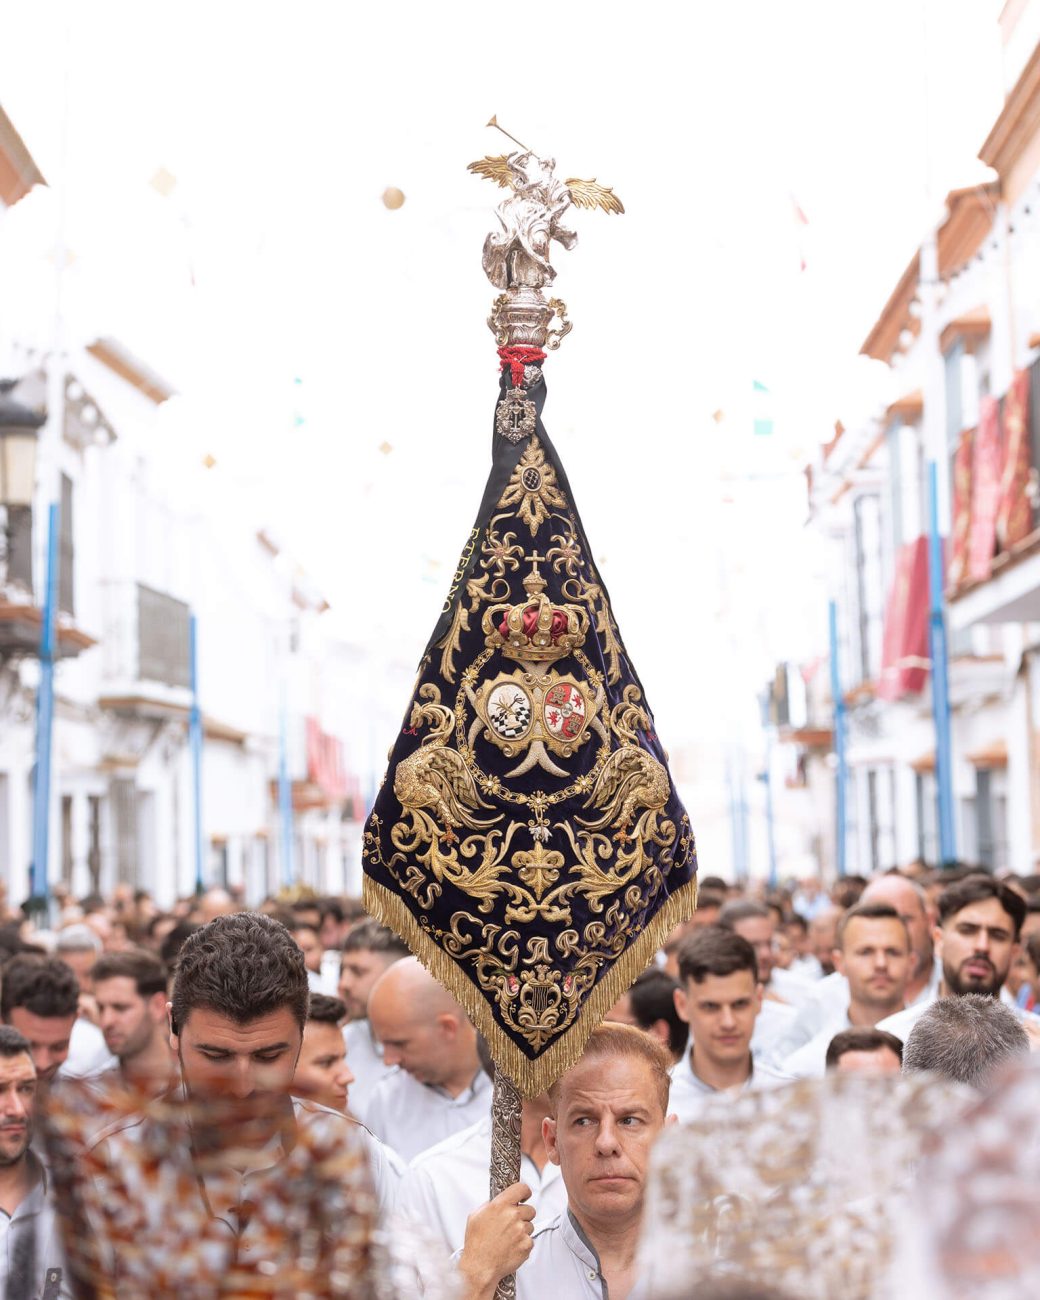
x,y
130,990
979,923
30,1249
237,1016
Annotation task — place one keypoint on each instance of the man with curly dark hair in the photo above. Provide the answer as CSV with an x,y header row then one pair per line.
x,y
237,1012
39,997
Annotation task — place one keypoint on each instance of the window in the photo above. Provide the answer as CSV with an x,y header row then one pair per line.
x,y
881,819
984,845
872,815
927,818
1034,426
954,413
123,794
893,440
852,820
66,573
218,863
969,829
94,849
66,839
869,594
162,638
18,539
990,828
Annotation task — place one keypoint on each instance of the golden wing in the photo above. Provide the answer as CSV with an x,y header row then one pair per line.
x,y
613,784
493,169
590,194
446,770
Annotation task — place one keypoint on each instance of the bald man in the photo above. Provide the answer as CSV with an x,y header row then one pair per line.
x,y
438,1087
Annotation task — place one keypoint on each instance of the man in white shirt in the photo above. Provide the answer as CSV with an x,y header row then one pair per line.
x,y
31,1257
323,1072
873,954
368,950
757,924
782,991
980,920
439,1087
40,998
830,999
447,1183
719,998
130,992
606,1113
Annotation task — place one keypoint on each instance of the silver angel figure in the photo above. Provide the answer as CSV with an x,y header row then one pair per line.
x,y
533,216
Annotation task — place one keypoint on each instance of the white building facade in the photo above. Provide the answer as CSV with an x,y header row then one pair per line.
x,y
960,335
152,536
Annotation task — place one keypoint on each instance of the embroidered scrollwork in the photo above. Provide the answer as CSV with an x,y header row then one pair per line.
x,y
533,489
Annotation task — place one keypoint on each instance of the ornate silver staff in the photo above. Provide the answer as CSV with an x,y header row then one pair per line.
x,y
516,260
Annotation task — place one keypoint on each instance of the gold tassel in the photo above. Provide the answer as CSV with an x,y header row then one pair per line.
x,y
532,1077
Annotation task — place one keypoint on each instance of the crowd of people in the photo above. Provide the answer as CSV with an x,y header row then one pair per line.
x,y
303,1025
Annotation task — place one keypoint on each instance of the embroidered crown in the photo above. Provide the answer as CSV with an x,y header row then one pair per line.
x,y
536,630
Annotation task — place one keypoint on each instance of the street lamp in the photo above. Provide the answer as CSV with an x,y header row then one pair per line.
x,y
19,430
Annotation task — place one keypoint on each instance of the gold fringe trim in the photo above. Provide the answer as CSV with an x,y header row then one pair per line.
x,y
531,1077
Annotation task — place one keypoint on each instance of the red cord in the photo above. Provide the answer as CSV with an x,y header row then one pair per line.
x,y
518,357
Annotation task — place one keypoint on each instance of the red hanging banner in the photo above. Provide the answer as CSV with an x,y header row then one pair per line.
x,y
985,491
1015,513
961,531
904,655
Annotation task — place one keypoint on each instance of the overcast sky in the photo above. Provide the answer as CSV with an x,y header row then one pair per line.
x,y
273,260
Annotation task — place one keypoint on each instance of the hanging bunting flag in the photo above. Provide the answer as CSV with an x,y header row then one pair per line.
x,y
801,221
763,419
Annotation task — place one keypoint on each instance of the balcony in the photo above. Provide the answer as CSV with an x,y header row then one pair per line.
x,y
21,629
1010,595
147,665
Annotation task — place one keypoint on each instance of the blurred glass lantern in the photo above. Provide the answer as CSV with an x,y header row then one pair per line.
x,y
19,430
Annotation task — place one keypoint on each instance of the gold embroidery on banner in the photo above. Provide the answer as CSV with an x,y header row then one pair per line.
x,y
595,597
565,556
500,553
532,488
590,879
536,1001
616,876
452,642
435,776
463,564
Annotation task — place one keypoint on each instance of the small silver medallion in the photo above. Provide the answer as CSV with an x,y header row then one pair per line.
x,y
516,416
